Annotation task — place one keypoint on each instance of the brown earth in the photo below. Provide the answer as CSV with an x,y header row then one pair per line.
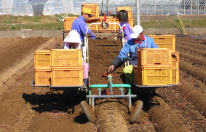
x,y
50,110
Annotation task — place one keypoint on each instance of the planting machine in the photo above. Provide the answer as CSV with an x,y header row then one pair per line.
x,y
156,68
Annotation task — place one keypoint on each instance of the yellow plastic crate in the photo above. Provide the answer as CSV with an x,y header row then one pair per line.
x,y
154,57
164,41
175,76
111,27
93,27
42,76
93,6
66,57
153,76
175,68
128,9
68,23
175,60
67,76
42,58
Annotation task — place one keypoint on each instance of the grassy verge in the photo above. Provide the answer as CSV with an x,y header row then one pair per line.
x,y
174,23
55,22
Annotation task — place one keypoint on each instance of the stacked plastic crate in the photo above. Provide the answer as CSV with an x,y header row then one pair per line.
x,y
42,67
153,67
159,66
66,67
169,41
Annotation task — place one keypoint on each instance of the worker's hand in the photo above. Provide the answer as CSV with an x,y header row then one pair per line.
x,y
111,69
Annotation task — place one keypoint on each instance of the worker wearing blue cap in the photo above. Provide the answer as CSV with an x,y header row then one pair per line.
x,y
80,24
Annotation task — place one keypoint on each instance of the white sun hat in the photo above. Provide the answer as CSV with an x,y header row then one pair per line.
x,y
137,29
73,37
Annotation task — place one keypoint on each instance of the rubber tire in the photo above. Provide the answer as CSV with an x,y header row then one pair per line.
x,y
88,111
136,111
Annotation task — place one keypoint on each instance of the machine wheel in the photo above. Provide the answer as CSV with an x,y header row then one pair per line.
x,y
136,111
88,111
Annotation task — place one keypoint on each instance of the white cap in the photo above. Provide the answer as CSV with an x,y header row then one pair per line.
x,y
73,37
137,29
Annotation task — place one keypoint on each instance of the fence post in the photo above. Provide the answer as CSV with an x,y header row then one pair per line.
x,y
184,7
191,7
198,8
138,12
107,7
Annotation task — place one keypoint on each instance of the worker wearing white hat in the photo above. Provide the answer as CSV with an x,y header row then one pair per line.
x,y
73,41
138,41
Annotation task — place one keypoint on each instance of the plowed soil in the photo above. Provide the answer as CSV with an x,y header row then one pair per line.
x,y
25,108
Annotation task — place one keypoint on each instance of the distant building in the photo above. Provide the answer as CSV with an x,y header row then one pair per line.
x,y
35,7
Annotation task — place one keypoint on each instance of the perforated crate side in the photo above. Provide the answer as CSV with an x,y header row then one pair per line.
x,y
42,59
175,68
153,76
67,76
66,57
164,41
154,57
68,22
42,76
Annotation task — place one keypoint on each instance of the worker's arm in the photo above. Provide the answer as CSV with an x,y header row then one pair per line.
x,y
122,55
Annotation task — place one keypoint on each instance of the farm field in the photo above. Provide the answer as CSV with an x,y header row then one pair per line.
x,y
180,108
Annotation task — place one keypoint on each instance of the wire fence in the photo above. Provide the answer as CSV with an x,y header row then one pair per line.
x,y
147,7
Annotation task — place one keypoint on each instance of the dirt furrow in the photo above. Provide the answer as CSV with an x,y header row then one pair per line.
x,y
184,109
189,49
196,44
164,117
197,73
190,40
110,118
196,97
194,59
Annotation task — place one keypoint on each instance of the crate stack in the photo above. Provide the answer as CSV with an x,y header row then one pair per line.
x,y
66,67
168,41
58,67
158,66
42,60
153,67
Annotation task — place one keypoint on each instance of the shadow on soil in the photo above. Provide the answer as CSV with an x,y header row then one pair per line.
x,y
58,102
146,96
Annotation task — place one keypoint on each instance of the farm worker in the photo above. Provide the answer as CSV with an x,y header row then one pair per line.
x,y
122,16
80,24
73,41
138,41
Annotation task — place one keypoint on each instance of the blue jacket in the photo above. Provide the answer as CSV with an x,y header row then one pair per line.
x,y
131,47
80,26
127,30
